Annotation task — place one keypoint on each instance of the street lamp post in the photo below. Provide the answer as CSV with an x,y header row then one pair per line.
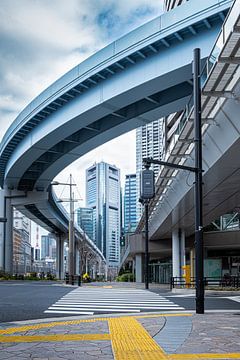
x,y
71,235
197,169
146,247
147,192
198,185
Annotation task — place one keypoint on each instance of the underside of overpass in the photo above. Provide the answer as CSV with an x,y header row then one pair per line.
x,y
143,76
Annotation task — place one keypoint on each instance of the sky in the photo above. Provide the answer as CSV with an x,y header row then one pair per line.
x,y
40,40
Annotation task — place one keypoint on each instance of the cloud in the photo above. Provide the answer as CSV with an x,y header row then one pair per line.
x,y
41,40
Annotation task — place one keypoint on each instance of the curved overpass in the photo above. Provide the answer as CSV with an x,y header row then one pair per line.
x,y
142,76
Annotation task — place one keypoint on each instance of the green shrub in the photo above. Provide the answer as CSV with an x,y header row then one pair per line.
x,y
50,276
127,277
5,276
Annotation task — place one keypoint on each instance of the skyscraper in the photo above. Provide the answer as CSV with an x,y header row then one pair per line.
x,y
130,201
21,239
85,220
103,196
149,143
48,247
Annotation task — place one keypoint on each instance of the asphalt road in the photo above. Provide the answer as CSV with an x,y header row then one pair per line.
x,y
28,300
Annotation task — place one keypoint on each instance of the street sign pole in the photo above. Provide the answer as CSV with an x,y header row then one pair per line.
x,y
146,247
198,185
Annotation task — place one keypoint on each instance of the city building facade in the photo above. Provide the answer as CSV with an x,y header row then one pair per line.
x,y
48,247
149,143
130,202
21,242
103,196
85,220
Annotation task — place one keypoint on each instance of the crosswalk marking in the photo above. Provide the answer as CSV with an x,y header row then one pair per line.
x,y
85,301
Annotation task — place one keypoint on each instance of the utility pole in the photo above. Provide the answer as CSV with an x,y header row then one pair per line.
x,y
71,235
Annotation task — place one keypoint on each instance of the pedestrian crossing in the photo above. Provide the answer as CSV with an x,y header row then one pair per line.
x,y
90,301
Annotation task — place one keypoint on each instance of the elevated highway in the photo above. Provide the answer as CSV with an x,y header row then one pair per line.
x,y
142,76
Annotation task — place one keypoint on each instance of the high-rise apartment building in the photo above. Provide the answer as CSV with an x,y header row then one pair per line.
x,y
149,143
85,220
103,196
130,201
21,241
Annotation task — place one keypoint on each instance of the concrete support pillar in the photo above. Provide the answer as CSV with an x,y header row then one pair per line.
x,y
77,257
178,252
60,257
1,230
175,254
192,262
182,251
8,235
139,268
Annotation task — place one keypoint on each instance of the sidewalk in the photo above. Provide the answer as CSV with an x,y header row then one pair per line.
x,y
145,336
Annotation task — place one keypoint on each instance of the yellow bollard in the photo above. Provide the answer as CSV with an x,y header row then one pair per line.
x,y
187,275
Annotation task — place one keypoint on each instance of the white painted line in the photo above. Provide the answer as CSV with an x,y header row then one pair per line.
x,y
234,298
111,298
116,306
96,309
69,312
121,302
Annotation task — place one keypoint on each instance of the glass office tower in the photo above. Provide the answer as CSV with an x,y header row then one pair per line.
x,y
103,196
85,220
130,200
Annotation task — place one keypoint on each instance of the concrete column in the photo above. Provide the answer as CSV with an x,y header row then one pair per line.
x,y
60,257
175,254
1,230
182,251
77,256
8,235
139,268
178,252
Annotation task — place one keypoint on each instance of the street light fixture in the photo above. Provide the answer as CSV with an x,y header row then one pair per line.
x,y
197,170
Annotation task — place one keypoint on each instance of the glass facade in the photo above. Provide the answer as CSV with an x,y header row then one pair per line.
x,y
130,202
103,196
48,247
85,220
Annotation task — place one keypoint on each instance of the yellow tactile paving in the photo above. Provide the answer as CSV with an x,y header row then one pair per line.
x,y
48,325
131,341
204,356
55,338
24,328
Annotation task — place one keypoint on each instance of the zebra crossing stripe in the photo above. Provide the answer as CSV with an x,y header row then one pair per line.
x,y
82,301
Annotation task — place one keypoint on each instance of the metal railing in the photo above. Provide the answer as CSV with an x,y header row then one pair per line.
x,y
73,279
221,282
